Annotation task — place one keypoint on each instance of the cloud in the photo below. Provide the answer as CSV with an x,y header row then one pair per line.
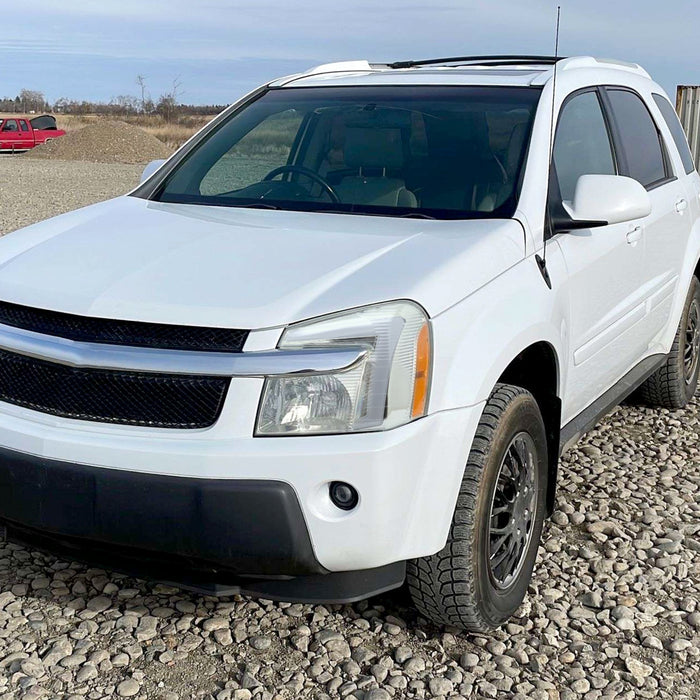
x,y
174,36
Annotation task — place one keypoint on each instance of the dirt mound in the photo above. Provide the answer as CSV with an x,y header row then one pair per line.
x,y
104,141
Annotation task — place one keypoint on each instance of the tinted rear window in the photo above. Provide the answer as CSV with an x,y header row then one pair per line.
x,y
674,125
639,136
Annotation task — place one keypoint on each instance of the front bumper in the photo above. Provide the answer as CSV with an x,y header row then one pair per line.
x,y
218,536
407,478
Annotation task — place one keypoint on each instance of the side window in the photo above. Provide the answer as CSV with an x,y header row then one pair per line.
x,y
674,125
582,144
639,137
10,125
23,125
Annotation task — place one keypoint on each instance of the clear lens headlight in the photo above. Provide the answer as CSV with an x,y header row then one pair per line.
x,y
386,388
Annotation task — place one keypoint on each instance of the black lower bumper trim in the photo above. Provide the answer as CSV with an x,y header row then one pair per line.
x,y
255,527
213,536
206,579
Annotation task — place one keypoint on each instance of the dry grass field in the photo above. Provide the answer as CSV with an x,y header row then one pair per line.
x,y
173,134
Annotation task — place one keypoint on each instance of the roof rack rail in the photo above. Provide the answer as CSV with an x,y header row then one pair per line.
x,y
592,62
339,67
507,59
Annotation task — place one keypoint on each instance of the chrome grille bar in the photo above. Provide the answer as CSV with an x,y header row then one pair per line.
x,y
133,359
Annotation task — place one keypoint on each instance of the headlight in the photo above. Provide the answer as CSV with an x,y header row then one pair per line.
x,y
386,388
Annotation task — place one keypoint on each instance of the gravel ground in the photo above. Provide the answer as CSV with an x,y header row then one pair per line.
x,y
613,610
32,189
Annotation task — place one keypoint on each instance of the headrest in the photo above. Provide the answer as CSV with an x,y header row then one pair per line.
x,y
373,147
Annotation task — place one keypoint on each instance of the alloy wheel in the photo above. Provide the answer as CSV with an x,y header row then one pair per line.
x,y
691,351
513,511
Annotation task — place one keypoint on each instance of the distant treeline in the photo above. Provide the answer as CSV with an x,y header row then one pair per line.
x,y
26,101
167,106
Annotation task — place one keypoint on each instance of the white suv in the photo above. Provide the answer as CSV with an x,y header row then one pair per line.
x,y
340,339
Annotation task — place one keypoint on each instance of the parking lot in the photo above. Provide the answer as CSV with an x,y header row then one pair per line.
x,y
613,609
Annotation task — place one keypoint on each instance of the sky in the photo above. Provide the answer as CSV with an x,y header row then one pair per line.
x,y
219,49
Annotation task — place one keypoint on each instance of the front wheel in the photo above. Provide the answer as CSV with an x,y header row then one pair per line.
x,y
674,384
480,577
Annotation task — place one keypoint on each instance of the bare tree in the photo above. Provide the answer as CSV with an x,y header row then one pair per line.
x,y
124,104
168,104
141,82
176,89
32,100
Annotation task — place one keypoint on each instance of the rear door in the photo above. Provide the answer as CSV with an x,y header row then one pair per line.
x,y
605,264
685,166
644,156
26,134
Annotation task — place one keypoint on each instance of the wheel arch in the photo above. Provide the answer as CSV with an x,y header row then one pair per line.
x,y
536,368
690,267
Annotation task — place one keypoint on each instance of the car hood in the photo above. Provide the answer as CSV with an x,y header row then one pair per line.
x,y
129,258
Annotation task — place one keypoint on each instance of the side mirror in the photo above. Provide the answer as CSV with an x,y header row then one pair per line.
x,y
150,169
605,199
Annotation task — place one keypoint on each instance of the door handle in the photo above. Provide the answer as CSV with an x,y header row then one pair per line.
x,y
681,205
635,235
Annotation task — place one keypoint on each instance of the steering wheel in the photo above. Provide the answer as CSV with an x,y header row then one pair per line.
x,y
301,170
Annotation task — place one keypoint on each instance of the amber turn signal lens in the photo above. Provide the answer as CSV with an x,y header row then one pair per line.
x,y
422,378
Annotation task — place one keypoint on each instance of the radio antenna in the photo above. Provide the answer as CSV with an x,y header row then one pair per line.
x,y
542,261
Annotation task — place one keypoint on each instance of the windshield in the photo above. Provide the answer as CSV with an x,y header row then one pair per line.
x,y
441,152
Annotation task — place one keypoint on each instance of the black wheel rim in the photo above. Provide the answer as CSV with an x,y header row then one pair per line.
x,y
692,342
513,511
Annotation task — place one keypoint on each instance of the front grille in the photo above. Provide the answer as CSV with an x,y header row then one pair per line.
x,y
135,333
130,398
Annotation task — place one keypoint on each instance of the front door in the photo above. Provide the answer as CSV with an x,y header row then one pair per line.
x,y
10,137
605,265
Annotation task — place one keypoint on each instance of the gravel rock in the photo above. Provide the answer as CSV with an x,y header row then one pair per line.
x,y
637,668
440,686
215,623
147,628
403,654
128,688
260,643
377,694
468,660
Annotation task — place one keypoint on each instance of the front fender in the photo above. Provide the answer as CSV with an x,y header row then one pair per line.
x,y
478,338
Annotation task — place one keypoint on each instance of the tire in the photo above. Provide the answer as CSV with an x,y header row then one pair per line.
x,y
458,586
673,385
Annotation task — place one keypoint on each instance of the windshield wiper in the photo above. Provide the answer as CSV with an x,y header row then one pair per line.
x,y
258,205
409,215
416,215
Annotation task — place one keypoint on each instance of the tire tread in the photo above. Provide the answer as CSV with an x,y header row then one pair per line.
x,y
442,585
666,387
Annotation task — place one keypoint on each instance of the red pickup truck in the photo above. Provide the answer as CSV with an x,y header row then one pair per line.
x,y
19,134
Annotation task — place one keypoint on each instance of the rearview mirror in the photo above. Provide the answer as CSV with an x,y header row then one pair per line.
x,y
605,199
150,169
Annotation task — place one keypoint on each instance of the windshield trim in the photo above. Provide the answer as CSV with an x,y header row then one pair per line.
x,y
152,189
331,208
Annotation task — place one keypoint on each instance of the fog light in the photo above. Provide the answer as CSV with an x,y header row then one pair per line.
x,y
343,495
